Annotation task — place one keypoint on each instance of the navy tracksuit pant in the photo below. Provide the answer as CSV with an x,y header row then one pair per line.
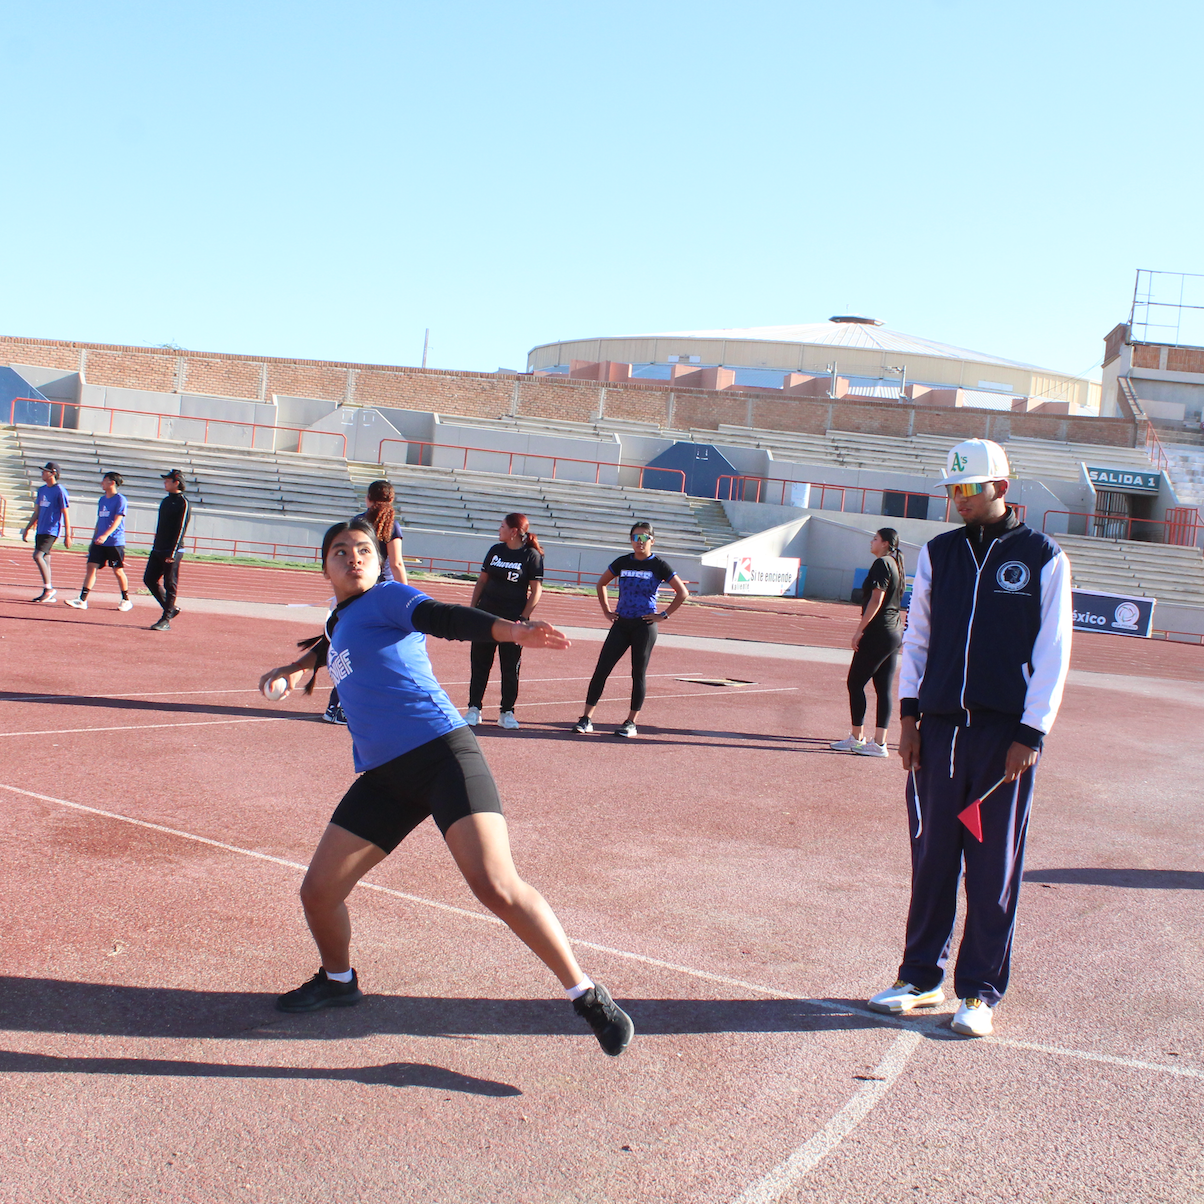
x,y
956,765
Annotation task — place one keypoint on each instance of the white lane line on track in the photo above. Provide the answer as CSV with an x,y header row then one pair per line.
x,y
786,1174
139,727
716,694
910,1024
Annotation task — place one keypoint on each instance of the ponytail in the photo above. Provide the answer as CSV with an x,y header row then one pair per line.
x,y
519,523
890,537
380,511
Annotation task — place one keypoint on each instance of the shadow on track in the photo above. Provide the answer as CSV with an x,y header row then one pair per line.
x,y
389,1074
158,708
1133,879
95,1009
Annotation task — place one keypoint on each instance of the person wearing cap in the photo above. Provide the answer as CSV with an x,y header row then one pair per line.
x,y
51,516
984,662
163,563
108,543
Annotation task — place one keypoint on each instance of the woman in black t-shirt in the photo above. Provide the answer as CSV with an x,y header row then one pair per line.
x,y
876,645
632,623
509,586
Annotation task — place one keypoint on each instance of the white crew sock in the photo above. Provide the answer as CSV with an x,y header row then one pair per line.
x,y
342,976
576,992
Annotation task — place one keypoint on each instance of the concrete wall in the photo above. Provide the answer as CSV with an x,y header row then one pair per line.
x,y
363,437
524,453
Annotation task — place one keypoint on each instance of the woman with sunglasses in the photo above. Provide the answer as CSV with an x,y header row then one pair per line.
x,y
640,575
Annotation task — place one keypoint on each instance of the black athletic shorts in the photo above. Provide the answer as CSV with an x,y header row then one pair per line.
x,y
99,554
446,778
43,543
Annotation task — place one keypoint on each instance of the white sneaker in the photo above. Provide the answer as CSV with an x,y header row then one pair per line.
x,y
850,743
507,720
472,716
871,748
973,1019
125,604
902,997
76,603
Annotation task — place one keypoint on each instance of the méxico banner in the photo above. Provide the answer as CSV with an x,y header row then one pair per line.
x,y
1116,614
764,576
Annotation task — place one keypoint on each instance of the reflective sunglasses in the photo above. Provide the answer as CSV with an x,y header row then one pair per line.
x,y
966,489
641,539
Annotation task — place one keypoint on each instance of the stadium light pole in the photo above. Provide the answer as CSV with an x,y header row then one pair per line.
x,y
902,371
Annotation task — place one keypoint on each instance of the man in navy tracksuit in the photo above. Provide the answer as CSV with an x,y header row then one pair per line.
x,y
984,661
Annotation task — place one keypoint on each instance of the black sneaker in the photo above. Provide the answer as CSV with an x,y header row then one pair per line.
x,y
583,726
626,730
171,614
161,625
612,1026
321,992
334,714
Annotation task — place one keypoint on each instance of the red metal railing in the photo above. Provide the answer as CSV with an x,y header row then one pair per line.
x,y
1155,450
1179,531
301,432
216,546
740,485
597,465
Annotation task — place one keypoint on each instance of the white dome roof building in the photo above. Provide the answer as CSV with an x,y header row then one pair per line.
x,y
871,360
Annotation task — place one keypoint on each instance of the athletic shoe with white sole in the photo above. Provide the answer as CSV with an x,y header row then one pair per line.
x,y
902,997
125,604
612,1026
850,743
627,730
47,595
472,716
583,726
161,625
76,603
871,748
973,1019
321,992
507,720
334,714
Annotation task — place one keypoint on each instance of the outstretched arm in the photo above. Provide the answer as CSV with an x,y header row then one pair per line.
x,y
448,622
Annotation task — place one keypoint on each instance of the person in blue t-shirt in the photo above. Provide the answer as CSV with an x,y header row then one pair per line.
x,y
51,515
108,543
632,623
416,758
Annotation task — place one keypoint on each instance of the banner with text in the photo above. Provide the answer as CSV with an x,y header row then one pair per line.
x,y
1115,614
763,576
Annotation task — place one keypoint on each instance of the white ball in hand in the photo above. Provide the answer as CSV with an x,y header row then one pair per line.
x,y
275,689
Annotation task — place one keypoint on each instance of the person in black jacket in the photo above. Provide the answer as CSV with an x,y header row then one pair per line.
x,y
985,658
163,563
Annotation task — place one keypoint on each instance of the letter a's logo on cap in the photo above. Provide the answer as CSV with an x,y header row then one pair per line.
x,y
959,462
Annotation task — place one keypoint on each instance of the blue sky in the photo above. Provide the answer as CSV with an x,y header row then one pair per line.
x,y
327,181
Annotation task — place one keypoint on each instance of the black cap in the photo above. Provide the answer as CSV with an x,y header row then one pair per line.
x,y
51,466
175,475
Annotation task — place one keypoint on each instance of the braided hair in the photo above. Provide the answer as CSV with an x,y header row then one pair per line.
x,y
380,510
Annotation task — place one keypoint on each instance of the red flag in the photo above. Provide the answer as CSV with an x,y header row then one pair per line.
x,y
972,818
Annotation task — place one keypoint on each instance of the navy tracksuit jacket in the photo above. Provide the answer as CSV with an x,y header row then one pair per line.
x,y
984,662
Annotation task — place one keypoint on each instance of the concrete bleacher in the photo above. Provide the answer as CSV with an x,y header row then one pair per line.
x,y
1186,472
288,483
1122,566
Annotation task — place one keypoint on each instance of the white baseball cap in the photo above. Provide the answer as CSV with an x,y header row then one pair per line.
x,y
976,461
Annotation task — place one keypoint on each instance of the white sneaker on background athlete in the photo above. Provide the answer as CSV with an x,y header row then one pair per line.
x,y
902,997
76,603
125,604
507,720
973,1019
472,716
850,743
871,748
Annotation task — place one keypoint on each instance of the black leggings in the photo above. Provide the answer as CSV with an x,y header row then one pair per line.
x,y
480,660
623,634
157,569
875,659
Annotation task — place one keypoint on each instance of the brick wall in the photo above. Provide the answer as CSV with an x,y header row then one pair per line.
x,y
491,395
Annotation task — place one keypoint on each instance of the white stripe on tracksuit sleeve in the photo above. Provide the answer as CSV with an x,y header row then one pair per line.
x,y
1051,648
919,629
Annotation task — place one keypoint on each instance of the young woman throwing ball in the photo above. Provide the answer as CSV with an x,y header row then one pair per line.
x,y
416,757
633,623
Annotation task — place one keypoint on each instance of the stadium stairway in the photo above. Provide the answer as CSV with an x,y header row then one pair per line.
x,y
1186,472
1122,566
15,486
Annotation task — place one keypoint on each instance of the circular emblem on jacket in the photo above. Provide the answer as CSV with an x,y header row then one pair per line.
x,y
1012,576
